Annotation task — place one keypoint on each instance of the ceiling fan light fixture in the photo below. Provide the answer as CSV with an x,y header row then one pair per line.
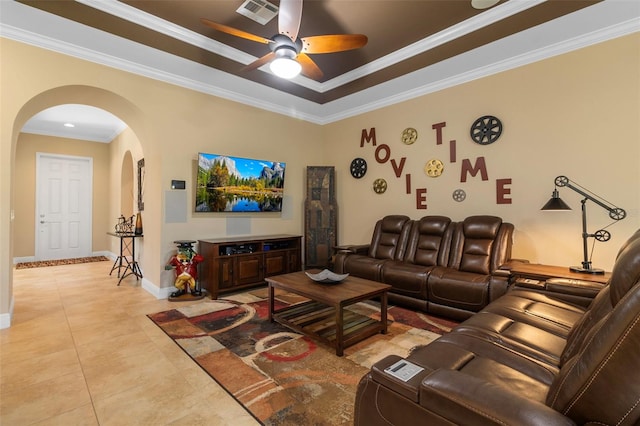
x,y
483,4
285,65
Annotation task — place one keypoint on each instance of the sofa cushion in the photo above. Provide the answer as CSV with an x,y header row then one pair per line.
x,y
539,310
481,244
406,278
389,237
516,336
599,383
458,289
430,241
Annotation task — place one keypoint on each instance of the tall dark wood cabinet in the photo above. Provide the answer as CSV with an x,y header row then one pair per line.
x,y
321,214
234,263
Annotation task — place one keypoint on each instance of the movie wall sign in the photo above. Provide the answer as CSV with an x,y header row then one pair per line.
x,y
484,131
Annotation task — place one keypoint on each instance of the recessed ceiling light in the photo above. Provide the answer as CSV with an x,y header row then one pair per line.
x,y
483,4
69,125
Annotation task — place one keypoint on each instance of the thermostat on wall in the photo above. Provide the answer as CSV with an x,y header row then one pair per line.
x,y
177,184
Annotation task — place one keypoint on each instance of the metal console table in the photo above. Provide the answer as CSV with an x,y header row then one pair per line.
x,y
126,262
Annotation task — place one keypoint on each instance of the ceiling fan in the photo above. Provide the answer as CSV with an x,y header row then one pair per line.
x,y
289,54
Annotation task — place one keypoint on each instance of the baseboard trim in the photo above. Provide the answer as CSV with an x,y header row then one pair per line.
x,y
5,319
105,253
157,292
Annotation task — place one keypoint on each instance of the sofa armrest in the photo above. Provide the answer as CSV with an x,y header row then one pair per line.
x,y
355,249
464,399
571,287
342,253
409,389
507,266
578,292
501,273
498,286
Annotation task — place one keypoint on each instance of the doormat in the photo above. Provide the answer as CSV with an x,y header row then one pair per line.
x,y
42,263
282,377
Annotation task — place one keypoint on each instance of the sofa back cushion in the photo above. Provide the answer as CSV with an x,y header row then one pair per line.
x,y
598,381
389,238
626,272
430,241
481,244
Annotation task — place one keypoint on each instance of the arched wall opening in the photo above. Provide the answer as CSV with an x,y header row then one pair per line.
x,y
125,151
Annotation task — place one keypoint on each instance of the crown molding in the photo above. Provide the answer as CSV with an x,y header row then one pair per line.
x,y
598,23
163,26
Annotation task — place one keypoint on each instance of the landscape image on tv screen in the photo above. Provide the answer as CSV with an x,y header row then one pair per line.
x,y
234,184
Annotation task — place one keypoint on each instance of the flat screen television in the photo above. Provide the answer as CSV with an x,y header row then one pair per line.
x,y
235,184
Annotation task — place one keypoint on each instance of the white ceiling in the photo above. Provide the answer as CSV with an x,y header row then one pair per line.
x,y
89,123
600,22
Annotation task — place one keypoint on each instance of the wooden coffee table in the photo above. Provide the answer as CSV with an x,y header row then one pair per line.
x,y
323,317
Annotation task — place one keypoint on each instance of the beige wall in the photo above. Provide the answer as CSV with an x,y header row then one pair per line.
x,y
124,153
168,127
25,181
576,115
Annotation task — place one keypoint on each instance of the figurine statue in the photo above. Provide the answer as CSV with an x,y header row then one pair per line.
x,y
185,263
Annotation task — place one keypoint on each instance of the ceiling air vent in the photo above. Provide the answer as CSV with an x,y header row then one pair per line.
x,y
258,10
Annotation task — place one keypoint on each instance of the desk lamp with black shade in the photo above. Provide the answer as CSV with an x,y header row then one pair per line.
x,y
615,213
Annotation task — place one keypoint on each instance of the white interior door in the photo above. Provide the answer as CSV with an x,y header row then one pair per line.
x,y
63,206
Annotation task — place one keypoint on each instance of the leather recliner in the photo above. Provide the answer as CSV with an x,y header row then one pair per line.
x,y
435,265
472,278
506,367
428,246
388,242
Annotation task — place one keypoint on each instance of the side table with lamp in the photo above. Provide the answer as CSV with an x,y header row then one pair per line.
x,y
576,284
615,213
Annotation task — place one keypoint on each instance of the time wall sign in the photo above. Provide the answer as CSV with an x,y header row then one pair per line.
x,y
484,131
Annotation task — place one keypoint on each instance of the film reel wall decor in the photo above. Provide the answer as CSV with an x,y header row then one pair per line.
x,y
358,168
380,186
409,136
434,168
484,131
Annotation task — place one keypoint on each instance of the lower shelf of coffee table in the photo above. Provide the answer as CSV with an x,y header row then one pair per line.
x,y
319,320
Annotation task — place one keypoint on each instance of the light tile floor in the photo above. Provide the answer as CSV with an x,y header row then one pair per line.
x,y
81,351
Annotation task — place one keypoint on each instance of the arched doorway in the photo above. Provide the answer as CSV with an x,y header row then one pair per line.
x,y
132,142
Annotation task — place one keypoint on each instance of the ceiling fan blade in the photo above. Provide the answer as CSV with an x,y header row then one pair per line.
x,y
309,68
260,62
235,32
333,43
289,16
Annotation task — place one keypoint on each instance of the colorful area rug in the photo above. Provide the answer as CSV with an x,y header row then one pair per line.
x,y
281,377
42,263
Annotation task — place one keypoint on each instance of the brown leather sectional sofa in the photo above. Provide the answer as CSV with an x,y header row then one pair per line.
x,y
434,264
525,359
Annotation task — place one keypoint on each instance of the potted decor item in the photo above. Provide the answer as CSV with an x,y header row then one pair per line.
x,y
138,228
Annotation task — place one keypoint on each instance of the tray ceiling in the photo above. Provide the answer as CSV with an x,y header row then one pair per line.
x,y
414,47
